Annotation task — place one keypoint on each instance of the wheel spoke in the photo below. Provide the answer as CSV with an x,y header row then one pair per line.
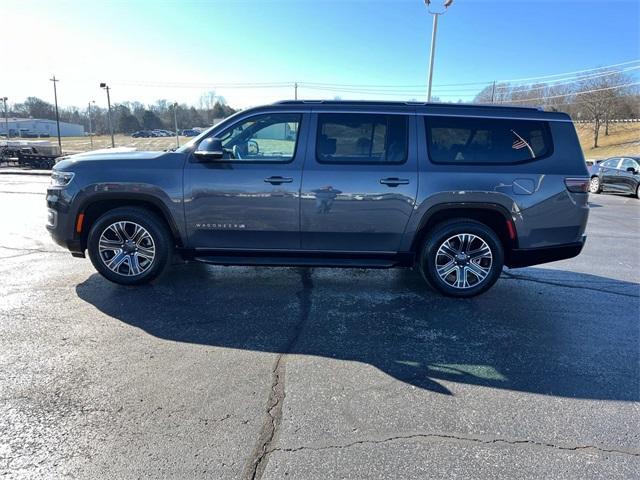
x,y
145,252
447,250
480,272
482,252
118,259
134,264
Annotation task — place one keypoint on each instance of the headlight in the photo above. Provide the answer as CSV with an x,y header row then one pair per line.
x,y
61,179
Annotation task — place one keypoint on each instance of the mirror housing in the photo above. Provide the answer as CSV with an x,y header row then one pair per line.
x,y
632,170
209,149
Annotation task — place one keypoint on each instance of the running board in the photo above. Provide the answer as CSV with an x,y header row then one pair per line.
x,y
283,261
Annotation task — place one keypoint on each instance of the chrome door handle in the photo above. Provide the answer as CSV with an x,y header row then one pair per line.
x,y
394,182
278,180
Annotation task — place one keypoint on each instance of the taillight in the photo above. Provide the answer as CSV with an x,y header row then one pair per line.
x,y
577,185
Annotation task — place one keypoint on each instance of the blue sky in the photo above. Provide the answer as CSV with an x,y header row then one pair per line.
x,y
177,50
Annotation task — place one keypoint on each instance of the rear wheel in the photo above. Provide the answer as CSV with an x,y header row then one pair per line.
x,y
129,246
594,185
462,258
638,190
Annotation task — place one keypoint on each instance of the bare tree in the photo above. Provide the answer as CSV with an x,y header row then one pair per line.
x,y
599,96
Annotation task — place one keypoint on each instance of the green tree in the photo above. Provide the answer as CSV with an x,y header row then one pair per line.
x,y
150,120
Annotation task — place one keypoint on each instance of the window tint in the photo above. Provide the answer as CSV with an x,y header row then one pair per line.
x,y
265,138
612,163
361,138
486,140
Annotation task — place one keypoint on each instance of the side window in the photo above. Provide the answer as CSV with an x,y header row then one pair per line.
x,y
263,138
361,138
460,140
628,163
611,163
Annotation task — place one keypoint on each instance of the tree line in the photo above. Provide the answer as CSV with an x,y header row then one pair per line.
x,y
599,97
127,117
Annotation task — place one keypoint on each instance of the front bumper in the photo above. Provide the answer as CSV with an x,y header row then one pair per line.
x,y
61,219
525,257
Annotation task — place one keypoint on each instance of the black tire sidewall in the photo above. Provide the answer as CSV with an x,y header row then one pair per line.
x,y
449,229
151,223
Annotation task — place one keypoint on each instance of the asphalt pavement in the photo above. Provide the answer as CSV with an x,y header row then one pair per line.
x,y
240,373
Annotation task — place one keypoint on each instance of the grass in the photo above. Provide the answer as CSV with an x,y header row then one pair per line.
x,y
623,139
83,144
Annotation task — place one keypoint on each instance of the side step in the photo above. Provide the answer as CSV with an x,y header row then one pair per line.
x,y
284,261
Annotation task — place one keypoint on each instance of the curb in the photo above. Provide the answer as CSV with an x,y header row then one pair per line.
x,y
17,171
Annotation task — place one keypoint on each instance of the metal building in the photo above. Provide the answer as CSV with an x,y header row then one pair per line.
x,y
36,127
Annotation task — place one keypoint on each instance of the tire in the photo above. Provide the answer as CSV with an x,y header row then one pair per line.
x,y
138,260
638,191
448,236
594,185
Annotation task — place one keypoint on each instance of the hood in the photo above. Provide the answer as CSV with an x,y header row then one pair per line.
x,y
111,155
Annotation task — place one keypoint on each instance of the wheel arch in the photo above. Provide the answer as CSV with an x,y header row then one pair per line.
x,y
97,205
492,215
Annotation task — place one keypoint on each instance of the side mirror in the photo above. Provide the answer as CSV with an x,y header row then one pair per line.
x,y
209,149
632,170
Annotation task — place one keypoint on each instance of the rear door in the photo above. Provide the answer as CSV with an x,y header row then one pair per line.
x,y
608,174
359,181
249,199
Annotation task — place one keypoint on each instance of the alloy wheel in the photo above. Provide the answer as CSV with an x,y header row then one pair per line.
x,y
126,248
463,261
594,185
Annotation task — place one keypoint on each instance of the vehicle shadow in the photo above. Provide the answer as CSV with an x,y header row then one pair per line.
x,y
542,331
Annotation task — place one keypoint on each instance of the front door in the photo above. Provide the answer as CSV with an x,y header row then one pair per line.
x,y
249,199
359,182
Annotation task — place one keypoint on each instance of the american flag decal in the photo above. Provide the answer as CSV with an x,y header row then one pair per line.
x,y
519,143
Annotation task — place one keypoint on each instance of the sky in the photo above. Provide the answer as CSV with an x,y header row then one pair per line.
x,y
149,50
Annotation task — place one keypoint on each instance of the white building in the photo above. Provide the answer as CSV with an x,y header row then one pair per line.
x,y
31,127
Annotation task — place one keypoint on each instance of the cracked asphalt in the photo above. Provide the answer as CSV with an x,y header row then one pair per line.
x,y
243,373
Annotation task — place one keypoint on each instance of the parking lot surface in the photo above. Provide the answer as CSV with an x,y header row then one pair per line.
x,y
240,373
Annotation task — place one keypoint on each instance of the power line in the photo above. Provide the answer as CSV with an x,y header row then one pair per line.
x,y
576,93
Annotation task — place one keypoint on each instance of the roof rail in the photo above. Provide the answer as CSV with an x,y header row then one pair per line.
x,y
400,103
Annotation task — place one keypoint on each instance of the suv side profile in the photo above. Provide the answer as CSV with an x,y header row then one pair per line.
x,y
458,191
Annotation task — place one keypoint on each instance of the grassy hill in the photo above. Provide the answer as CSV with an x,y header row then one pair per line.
x,y
623,139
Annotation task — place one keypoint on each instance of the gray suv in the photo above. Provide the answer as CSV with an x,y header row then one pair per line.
x,y
457,191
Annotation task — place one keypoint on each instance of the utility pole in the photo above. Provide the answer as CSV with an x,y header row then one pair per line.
x,y
295,86
55,96
175,122
6,118
446,4
90,129
493,92
106,87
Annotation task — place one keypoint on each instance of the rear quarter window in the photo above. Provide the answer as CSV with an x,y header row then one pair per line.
x,y
457,140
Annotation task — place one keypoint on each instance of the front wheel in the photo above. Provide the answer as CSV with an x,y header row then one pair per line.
x,y
594,185
129,246
462,258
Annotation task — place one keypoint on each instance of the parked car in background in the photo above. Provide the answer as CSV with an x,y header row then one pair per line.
x,y
190,132
457,191
618,175
141,134
593,166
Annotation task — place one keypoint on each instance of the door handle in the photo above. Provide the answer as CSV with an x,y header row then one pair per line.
x,y
278,180
394,182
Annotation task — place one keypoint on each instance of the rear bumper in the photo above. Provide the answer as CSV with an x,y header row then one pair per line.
x,y
525,257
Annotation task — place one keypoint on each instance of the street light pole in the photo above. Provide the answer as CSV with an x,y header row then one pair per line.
x,y
6,117
106,87
432,54
90,129
175,122
55,96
